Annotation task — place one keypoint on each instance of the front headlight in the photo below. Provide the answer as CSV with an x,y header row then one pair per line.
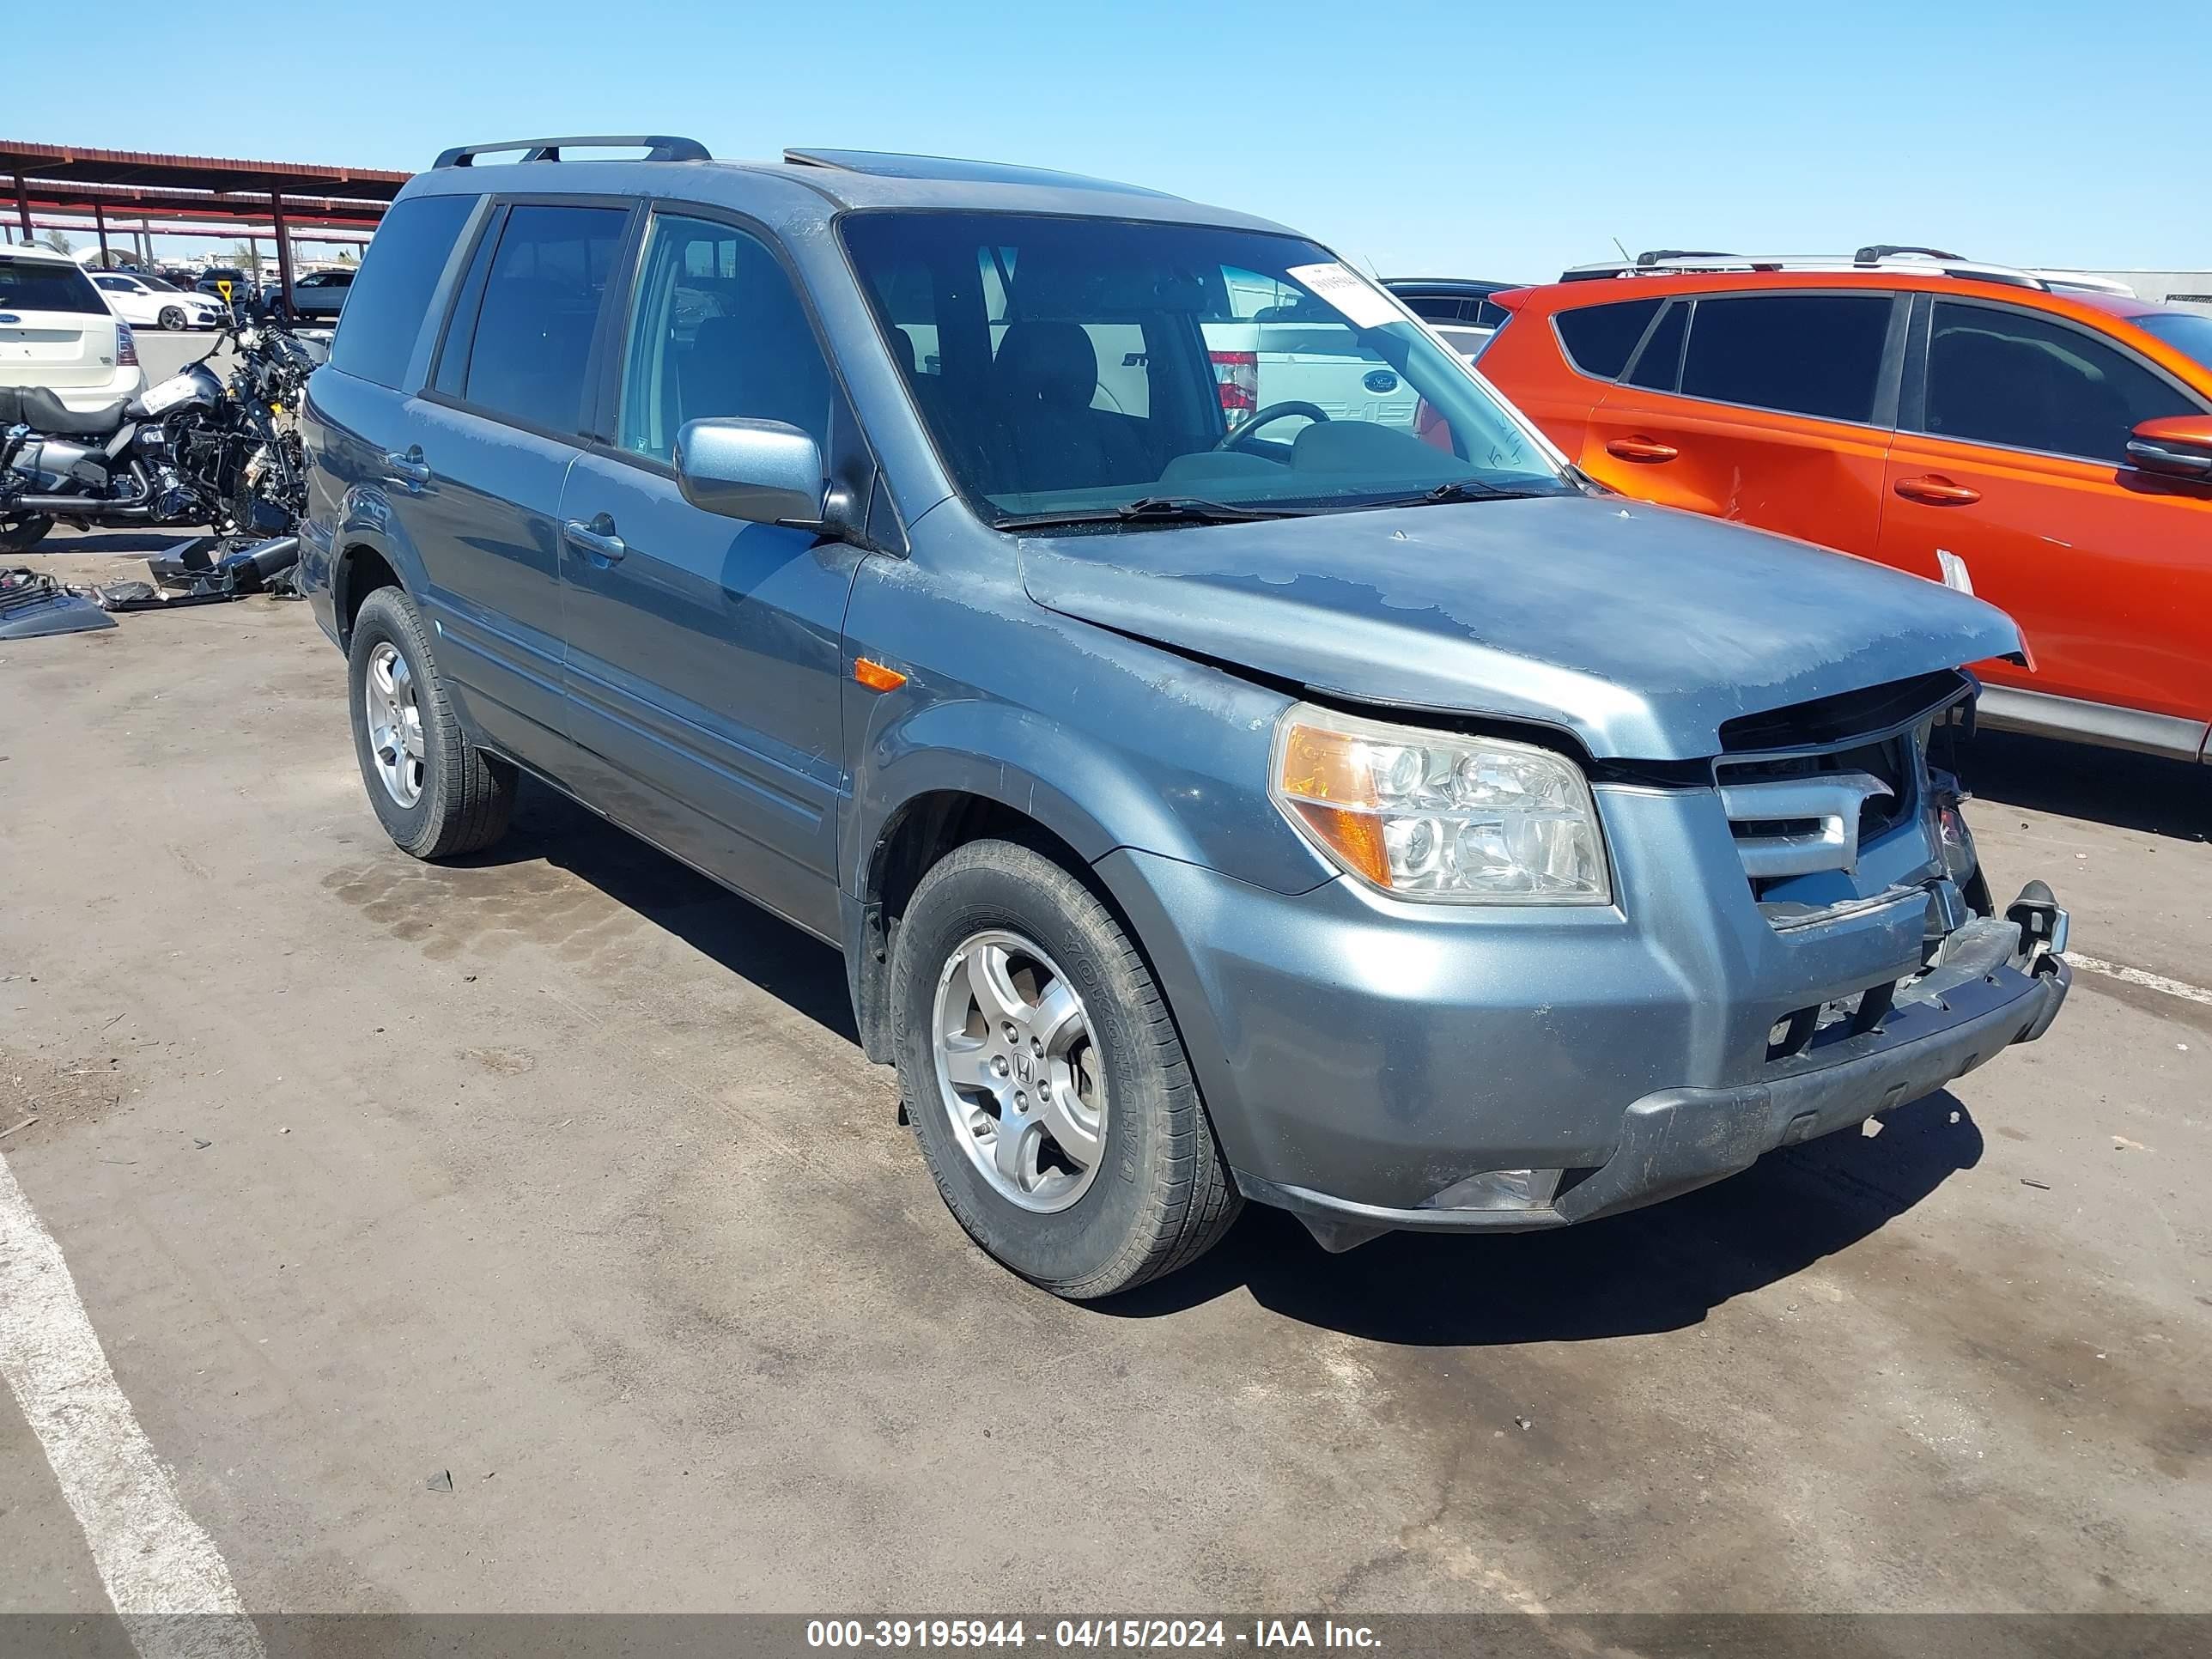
x,y
1433,814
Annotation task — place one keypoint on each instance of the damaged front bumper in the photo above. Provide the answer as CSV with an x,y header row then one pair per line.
x,y
1997,981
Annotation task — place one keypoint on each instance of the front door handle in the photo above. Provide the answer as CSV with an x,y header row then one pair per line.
x,y
410,469
1646,450
1936,492
596,540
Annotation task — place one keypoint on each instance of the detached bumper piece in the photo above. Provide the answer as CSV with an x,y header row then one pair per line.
x,y
206,570
1997,981
32,604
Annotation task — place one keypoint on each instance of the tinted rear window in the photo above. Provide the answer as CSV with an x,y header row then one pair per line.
x,y
1598,338
45,285
541,304
1804,353
1659,365
377,330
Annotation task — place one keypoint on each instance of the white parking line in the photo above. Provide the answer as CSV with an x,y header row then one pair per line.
x,y
159,1568
2149,981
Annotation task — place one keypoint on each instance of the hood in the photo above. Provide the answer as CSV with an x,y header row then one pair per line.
x,y
1639,628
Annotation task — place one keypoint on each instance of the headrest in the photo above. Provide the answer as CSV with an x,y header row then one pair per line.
x,y
902,349
1052,363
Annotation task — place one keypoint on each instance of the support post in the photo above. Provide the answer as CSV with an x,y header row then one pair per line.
x,y
23,210
99,224
283,248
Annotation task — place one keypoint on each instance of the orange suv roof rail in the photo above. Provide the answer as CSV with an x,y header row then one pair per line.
x,y
1680,262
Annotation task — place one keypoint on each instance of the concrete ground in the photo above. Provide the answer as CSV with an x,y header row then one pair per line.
x,y
557,1173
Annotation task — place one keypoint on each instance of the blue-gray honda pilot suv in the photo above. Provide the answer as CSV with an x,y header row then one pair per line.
x,y
1236,755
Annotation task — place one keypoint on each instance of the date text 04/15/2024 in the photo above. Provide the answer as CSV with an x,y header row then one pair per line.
x,y
1086,1633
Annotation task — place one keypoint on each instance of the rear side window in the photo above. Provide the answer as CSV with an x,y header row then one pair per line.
x,y
1598,338
532,341
1997,375
1659,365
46,285
376,333
1817,355
1435,307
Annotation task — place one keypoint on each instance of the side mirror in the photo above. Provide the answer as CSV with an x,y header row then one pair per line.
x,y
761,471
2174,446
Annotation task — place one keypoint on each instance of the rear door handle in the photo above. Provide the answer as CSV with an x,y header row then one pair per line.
x,y
1936,492
595,540
410,469
1641,449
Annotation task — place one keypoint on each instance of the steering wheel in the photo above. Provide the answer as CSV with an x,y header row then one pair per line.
x,y
1237,436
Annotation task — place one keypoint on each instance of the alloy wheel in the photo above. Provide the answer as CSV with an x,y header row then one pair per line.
x,y
395,723
1018,1071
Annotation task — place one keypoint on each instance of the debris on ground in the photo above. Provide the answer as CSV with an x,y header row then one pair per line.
x,y
441,1481
207,570
2039,1186
32,604
25,1124
2122,1144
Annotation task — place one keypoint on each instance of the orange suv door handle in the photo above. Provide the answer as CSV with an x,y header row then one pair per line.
x,y
1641,449
1937,492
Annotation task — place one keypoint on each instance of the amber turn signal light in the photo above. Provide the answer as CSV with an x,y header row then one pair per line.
x,y
876,677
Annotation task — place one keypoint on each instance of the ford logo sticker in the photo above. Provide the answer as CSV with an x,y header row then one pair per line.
x,y
1379,381
10,317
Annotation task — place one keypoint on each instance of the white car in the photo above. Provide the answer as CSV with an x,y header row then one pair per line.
x,y
57,332
153,302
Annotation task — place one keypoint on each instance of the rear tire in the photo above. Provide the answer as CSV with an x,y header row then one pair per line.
x,y
1154,1193
437,795
20,535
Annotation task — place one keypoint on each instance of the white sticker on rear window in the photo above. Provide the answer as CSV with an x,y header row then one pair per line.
x,y
1362,304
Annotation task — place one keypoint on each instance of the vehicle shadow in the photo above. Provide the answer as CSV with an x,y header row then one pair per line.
x,y
796,968
1657,1269
125,541
2074,780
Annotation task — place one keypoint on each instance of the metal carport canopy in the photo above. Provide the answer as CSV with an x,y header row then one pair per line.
x,y
67,179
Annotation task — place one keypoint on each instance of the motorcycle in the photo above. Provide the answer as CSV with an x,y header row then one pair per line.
x,y
199,449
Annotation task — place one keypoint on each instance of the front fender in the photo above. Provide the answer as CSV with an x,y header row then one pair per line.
x,y
1095,791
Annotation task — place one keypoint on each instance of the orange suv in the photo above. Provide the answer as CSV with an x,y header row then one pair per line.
x,y
2047,447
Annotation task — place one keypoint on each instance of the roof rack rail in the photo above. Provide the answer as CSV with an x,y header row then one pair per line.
x,y
1881,251
661,147
1677,262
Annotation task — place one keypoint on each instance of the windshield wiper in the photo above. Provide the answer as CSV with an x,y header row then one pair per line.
x,y
1465,490
1158,509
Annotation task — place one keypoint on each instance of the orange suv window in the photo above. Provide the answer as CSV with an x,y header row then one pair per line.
x,y
1999,375
1597,339
1817,355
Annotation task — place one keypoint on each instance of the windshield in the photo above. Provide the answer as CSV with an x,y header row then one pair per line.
x,y
160,283
2185,330
1068,369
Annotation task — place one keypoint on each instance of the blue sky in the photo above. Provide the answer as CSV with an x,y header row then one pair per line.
x,y
1464,140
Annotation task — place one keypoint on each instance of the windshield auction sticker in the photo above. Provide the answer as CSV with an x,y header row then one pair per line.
x,y
1364,305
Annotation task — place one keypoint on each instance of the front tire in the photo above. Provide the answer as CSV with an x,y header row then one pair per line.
x,y
437,795
171,317
1045,1081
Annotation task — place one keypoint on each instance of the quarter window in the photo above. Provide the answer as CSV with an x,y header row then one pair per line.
x,y
1599,338
2001,376
376,334
1659,365
1817,355
717,331
541,302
